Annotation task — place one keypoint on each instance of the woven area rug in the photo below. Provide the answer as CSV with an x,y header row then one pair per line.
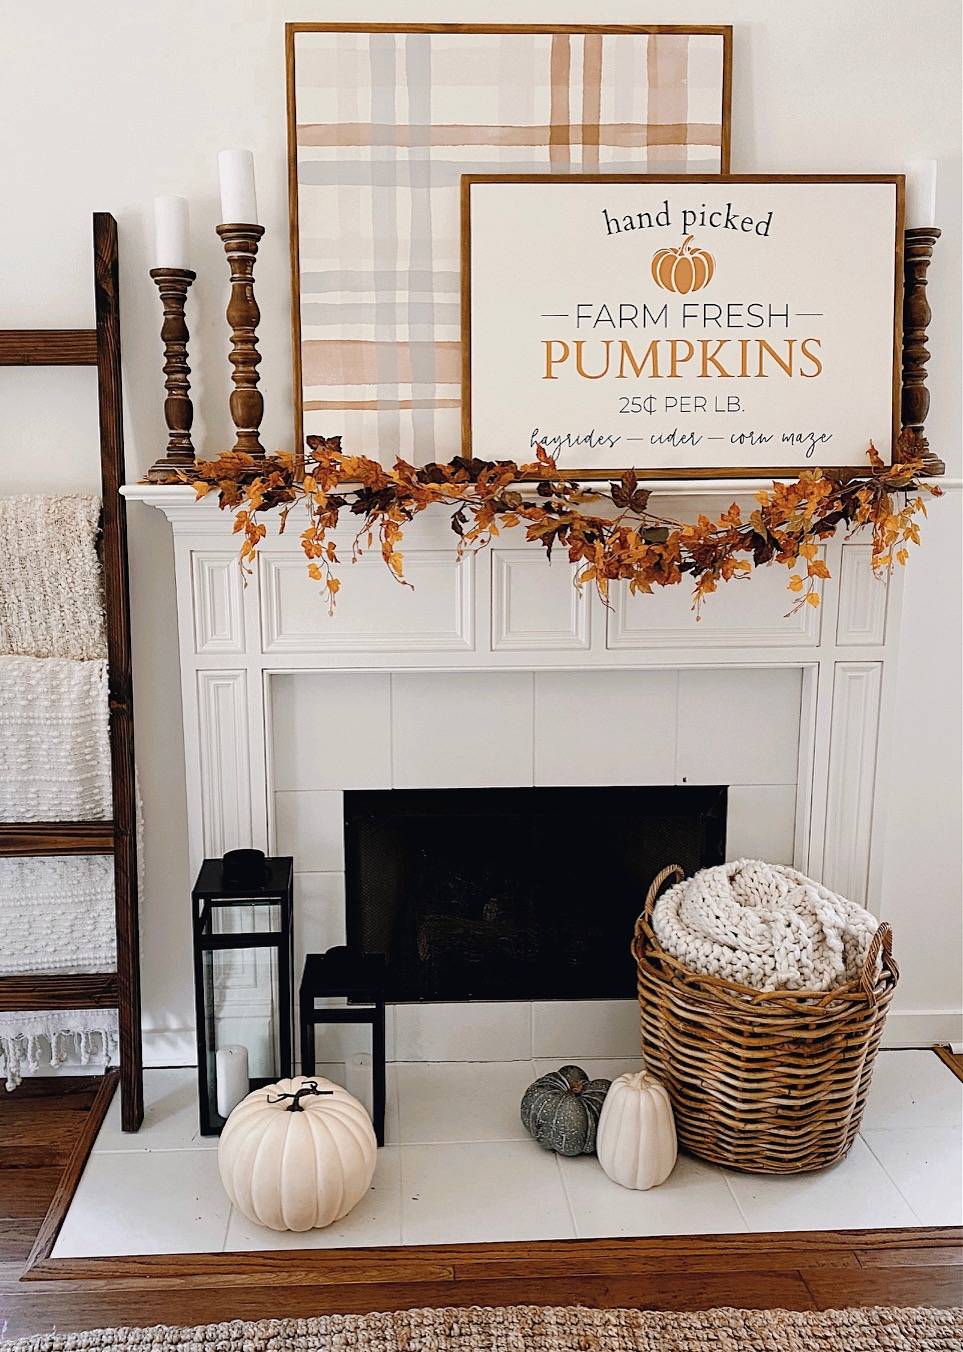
x,y
531,1328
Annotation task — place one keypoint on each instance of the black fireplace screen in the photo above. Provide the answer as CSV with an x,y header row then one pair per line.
x,y
502,894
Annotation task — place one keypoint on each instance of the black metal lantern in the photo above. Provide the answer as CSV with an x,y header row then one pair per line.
x,y
243,927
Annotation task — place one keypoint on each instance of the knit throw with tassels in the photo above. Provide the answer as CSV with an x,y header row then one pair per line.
x,y
765,926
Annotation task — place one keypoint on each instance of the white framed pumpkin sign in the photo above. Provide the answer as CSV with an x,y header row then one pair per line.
x,y
726,326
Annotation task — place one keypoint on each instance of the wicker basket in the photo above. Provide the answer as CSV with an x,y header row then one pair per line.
x,y
772,1082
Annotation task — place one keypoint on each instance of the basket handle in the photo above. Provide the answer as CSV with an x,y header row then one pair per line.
x,y
674,871
881,942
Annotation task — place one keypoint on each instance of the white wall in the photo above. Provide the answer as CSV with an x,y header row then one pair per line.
x,y
104,104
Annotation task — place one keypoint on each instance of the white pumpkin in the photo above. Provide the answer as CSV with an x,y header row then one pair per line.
x,y
636,1143
293,1157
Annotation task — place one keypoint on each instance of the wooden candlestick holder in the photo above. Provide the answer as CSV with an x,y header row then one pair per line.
x,y
247,402
915,402
173,285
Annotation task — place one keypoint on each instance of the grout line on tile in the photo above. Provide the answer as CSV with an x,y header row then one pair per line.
x,y
568,1201
892,1180
735,1197
227,1228
471,1140
402,1190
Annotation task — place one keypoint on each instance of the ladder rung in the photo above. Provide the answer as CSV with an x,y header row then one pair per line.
x,y
35,838
84,990
48,347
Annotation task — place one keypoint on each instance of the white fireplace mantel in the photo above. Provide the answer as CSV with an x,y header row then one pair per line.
x,y
506,609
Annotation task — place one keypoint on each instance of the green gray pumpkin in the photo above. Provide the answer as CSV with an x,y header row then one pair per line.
x,y
561,1110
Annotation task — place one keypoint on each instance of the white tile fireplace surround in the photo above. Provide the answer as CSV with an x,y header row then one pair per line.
x,y
494,672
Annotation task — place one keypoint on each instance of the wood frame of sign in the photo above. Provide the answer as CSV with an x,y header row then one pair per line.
x,y
685,278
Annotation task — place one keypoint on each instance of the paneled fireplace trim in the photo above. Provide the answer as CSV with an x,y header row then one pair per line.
x,y
507,610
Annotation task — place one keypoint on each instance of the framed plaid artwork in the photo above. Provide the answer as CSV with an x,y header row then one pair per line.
x,y
384,120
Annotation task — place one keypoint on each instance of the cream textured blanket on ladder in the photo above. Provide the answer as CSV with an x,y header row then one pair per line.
x,y
765,926
56,914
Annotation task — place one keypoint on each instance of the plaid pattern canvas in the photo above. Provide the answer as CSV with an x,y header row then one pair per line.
x,y
386,123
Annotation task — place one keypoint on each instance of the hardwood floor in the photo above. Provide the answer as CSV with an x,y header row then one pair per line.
x,y
39,1130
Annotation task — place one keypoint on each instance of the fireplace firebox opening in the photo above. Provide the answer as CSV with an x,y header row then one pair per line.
x,y
515,894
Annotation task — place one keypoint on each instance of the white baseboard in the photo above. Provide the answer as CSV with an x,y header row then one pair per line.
x,y
922,1027
470,1032
170,1047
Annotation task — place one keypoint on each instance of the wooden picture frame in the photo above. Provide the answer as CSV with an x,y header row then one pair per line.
x,y
726,181
365,416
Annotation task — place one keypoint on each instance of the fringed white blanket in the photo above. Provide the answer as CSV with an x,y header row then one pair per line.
x,y
54,745
51,601
765,926
32,1038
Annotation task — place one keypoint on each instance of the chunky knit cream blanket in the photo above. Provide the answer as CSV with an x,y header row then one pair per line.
x,y
765,926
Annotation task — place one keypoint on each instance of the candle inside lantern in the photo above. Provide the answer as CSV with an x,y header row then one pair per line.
x,y
238,197
920,194
171,232
231,1075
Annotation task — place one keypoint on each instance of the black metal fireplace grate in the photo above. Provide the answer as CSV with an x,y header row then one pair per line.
x,y
508,894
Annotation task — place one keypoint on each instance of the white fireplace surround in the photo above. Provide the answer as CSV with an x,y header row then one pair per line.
x,y
494,671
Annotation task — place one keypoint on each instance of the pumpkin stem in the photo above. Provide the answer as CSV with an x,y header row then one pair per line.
x,y
684,246
310,1088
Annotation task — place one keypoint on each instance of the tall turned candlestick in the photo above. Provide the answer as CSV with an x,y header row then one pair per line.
x,y
173,285
247,402
917,314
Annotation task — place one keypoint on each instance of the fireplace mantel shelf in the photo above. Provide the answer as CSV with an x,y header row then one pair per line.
x,y
172,499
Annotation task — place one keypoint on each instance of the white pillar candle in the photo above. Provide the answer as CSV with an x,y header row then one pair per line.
x,y
920,194
231,1075
171,232
238,198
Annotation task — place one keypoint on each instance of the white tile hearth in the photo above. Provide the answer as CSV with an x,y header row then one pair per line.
x,y
170,1116
694,1200
856,1192
910,1090
926,1164
135,1202
483,1191
458,1167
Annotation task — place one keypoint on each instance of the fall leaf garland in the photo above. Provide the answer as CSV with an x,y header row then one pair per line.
x,y
629,542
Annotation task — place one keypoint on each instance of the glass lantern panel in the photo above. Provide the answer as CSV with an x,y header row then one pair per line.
x,y
241,1003
246,915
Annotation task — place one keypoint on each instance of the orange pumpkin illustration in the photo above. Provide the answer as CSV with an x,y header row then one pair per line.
x,y
683,269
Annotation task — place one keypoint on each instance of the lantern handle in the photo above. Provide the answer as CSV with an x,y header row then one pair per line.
x,y
310,1088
